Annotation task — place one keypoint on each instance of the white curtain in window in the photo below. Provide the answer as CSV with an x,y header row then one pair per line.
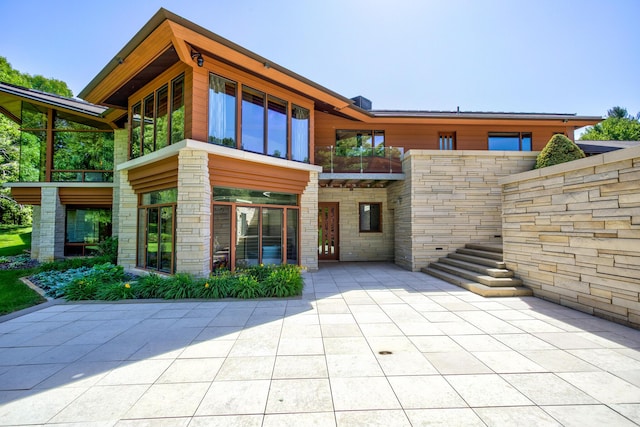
x,y
300,134
217,109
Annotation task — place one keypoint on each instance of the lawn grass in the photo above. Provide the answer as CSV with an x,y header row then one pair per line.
x,y
15,295
14,239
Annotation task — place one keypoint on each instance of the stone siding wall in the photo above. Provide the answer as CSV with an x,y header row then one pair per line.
x,y
354,245
309,224
127,208
193,214
572,233
454,198
120,154
51,227
35,233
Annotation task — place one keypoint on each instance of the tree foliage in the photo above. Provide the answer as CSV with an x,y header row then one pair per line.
x,y
618,126
559,149
10,211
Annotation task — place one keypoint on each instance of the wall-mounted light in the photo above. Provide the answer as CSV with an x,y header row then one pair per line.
x,y
198,57
267,65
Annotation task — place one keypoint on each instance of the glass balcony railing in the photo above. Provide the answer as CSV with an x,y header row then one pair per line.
x,y
358,160
79,175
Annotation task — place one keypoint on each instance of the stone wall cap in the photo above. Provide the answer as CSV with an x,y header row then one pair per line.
x,y
597,160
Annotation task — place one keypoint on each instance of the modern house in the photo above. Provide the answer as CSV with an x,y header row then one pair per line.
x,y
199,154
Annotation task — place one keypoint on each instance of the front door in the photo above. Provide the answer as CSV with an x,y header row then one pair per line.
x,y
328,232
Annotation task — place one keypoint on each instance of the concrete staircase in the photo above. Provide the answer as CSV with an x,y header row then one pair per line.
x,y
478,268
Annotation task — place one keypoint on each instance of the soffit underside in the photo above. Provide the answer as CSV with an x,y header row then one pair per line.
x,y
119,99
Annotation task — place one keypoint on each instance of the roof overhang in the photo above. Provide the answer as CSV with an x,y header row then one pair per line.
x,y
11,97
168,38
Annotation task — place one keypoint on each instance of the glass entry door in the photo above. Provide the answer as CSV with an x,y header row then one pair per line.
x,y
160,226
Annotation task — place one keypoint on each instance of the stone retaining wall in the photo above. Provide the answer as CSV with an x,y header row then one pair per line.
x,y
571,232
450,198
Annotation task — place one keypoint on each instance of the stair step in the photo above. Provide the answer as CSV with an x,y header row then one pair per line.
x,y
477,277
478,288
487,247
483,269
479,253
478,260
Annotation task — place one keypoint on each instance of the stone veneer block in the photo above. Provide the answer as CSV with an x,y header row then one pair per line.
x,y
592,262
193,213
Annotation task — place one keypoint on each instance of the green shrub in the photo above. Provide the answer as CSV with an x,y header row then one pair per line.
x,y
259,272
81,289
75,262
116,291
559,149
219,285
284,281
108,248
246,287
150,286
54,282
180,286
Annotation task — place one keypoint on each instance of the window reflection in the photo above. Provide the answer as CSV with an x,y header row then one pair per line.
x,y
222,111
252,120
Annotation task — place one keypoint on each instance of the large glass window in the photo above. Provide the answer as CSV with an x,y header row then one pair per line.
x,y
136,122
265,223
252,120
247,235
510,141
222,111
292,236
177,110
276,127
221,237
269,125
354,143
148,108
83,156
152,125
370,217
80,149
33,154
156,230
300,134
85,228
162,121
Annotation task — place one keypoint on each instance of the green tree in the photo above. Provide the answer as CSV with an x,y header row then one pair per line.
x,y
559,149
618,126
10,211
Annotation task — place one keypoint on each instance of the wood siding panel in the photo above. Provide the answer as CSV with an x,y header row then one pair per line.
x,y
86,196
160,175
425,136
27,195
199,105
226,172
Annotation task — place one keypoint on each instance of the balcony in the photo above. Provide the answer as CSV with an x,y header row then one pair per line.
x,y
359,167
81,175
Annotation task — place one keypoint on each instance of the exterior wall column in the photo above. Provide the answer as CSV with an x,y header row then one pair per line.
x,y
51,233
193,216
127,224
35,233
120,153
309,224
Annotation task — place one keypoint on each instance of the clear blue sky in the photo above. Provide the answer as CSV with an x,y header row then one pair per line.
x,y
554,56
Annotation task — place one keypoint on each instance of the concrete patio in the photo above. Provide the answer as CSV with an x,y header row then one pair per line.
x,y
367,344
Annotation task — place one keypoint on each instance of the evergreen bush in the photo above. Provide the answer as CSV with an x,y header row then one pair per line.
x,y
559,149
